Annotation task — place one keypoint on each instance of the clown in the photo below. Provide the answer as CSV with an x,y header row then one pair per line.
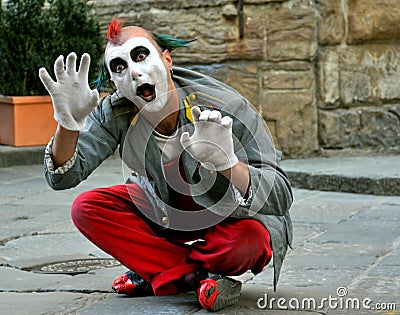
x,y
205,198
139,72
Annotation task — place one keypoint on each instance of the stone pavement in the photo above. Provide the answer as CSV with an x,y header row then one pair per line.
x,y
346,249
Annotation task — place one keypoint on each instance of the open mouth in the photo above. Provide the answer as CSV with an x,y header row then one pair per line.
x,y
146,91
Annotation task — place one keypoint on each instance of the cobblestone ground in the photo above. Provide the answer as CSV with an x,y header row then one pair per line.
x,y
345,257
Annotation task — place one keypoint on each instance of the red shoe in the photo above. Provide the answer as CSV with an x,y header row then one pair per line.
x,y
130,283
217,292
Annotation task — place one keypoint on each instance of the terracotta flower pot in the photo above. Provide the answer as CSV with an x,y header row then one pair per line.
x,y
26,120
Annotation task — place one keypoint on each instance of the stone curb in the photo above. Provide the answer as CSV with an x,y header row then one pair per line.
x,y
375,175
12,156
361,185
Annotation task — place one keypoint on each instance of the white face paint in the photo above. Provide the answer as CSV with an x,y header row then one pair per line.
x,y
139,73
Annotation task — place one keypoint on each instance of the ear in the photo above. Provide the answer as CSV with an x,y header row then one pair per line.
x,y
167,57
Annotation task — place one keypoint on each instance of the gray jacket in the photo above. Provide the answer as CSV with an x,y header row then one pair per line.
x,y
116,123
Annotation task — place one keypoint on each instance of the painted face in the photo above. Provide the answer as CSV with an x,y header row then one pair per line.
x,y
139,73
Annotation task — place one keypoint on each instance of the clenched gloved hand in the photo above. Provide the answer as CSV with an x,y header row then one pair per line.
x,y
211,142
72,97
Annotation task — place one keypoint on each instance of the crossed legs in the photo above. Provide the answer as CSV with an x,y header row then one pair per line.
x,y
109,217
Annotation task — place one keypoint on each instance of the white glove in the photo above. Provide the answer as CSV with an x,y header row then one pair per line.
x,y
211,142
72,97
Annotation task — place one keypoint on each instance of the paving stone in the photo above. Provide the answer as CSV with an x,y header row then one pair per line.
x,y
392,259
383,276
342,249
331,207
14,280
7,200
313,276
385,212
383,285
45,303
64,198
359,230
385,271
18,174
310,269
115,304
335,262
63,227
305,231
32,223
85,283
27,187
316,278
47,245
14,212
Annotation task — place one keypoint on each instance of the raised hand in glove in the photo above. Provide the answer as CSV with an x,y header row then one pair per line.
x,y
211,142
72,97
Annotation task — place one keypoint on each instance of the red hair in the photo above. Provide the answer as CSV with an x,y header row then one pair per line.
x,y
114,30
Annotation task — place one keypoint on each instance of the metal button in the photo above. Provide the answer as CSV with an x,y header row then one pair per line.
x,y
164,220
193,97
211,172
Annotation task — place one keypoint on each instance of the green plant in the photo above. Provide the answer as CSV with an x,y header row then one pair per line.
x,y
33,33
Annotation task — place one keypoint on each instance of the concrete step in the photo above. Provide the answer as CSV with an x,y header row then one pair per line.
x,y
12,156
377,175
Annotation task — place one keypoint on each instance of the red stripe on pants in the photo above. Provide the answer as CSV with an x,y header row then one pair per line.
x,y
110,219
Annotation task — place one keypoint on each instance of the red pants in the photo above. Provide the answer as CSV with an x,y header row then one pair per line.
x,y
110,219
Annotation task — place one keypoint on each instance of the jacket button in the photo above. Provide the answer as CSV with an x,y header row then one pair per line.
x,y
211,172
193,97
164,220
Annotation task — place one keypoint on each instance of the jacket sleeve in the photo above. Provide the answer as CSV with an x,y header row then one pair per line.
x,y
97,141
271,190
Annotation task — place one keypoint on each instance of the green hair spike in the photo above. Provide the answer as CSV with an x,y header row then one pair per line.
x,y
169,42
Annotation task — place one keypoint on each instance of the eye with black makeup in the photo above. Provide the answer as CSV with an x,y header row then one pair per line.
x,y
117,65
139,53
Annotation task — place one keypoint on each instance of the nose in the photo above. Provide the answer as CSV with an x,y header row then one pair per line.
x,y
134,70
135,74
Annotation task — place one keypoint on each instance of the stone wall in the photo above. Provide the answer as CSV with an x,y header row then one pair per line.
x,y
324,74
